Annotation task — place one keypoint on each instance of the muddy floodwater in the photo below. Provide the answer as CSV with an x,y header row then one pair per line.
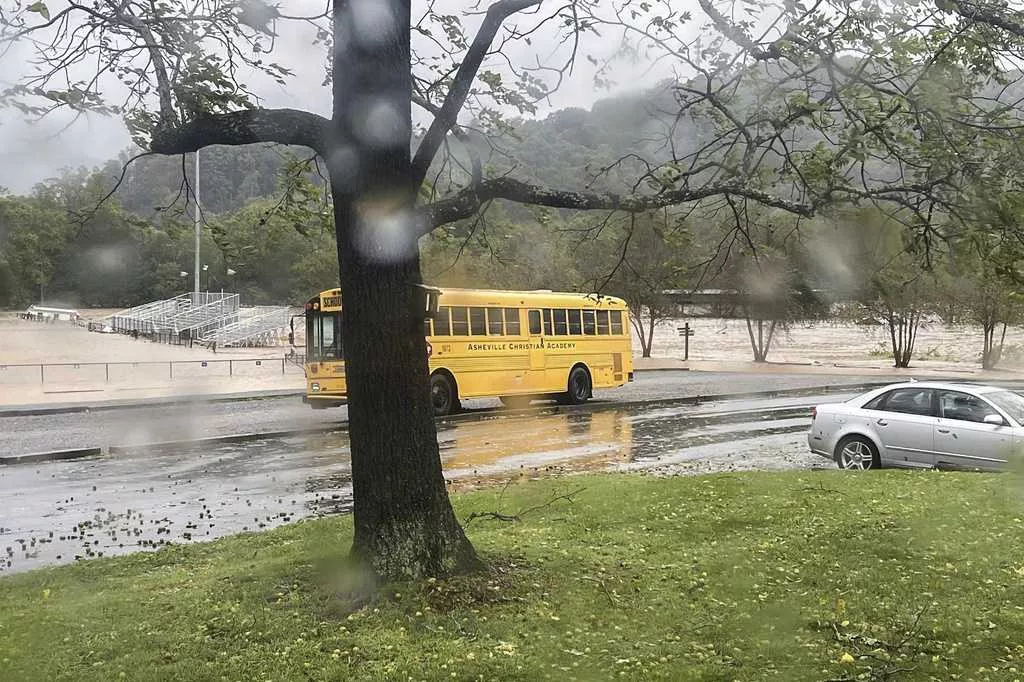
x,y
145,498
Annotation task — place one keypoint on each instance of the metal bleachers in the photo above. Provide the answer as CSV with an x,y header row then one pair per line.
x,y
256,326
146,318
206,317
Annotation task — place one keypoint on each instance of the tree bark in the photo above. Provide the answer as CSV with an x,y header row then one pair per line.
x,y
992,352
405,527
903,335
988,329
636,319
652,321
757,344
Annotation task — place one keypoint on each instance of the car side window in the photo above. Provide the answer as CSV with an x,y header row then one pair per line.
x,y
876,402
907,401
963,407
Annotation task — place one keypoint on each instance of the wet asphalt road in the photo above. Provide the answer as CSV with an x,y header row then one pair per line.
x,y
131,426
58,512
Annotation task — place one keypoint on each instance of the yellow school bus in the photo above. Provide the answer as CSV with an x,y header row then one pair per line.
x,y
514,345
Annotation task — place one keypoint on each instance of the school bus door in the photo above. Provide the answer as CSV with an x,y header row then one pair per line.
x,y
536,331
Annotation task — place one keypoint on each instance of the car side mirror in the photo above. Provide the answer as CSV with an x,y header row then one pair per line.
x,y
993,419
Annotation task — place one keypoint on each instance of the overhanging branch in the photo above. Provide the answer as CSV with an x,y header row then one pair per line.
x,y
452,105
993,15
284,126
466,202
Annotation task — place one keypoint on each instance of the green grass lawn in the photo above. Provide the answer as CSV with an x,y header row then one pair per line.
x,y
793,576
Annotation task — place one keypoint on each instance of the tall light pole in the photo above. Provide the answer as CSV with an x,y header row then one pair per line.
x,y
195,269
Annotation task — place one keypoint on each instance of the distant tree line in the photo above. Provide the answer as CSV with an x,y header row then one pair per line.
x,y
264,219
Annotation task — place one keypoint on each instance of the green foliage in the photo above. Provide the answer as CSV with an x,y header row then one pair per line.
x,y
795,576
500,252
61,244
276,258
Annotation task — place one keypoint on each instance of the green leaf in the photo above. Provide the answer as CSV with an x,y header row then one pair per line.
x,y
40,8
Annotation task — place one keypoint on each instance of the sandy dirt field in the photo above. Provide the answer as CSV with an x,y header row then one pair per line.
x,y
74,366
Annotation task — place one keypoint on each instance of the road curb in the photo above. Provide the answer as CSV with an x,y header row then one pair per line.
x,y
54,456
230,438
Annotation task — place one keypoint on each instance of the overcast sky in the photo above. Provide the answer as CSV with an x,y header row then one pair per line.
x,y
33,151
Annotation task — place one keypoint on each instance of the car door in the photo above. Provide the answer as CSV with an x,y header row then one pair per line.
x,y
904,420
963,440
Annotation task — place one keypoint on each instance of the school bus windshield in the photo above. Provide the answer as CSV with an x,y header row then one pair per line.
x,y
323,328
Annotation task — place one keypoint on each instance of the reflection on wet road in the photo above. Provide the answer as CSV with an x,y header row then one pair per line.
x,y
61,511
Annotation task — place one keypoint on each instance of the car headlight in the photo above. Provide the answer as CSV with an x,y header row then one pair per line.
x,y
315,387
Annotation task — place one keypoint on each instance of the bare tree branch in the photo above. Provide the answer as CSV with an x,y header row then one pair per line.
x,y
992,15
449,112
464,203
284,126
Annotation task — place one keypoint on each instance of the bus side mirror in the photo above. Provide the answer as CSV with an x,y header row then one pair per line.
x,y
291,338
431,303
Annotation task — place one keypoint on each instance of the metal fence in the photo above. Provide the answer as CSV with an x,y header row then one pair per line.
x,y
94,372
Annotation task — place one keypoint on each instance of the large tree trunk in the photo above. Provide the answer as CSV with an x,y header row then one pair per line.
x,y
405,527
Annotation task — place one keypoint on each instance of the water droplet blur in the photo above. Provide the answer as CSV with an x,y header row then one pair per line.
x,y
378,123
373,22
387,230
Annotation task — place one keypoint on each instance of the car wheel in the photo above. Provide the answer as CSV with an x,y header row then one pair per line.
x,y
578,388
444,398
857,453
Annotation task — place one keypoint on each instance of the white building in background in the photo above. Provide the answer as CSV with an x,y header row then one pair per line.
x,y
47,314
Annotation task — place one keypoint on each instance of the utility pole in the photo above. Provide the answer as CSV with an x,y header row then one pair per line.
x,y
195,268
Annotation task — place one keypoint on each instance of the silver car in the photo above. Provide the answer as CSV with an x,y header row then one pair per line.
x,y
921,425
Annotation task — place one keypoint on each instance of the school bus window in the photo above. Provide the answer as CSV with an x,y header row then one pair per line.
x,y
494,322
426,327
460,322
549,328
602,322
477,322
589,324
442,322
561,328
574,322
616,321
512,321
534,319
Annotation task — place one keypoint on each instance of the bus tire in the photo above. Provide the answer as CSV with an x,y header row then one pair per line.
x,y
578,387
444,396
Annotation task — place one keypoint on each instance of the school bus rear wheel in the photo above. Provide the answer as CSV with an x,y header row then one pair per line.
x,y
578,388
444,397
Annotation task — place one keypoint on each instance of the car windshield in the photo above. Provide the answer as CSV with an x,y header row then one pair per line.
x,y
1009,402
